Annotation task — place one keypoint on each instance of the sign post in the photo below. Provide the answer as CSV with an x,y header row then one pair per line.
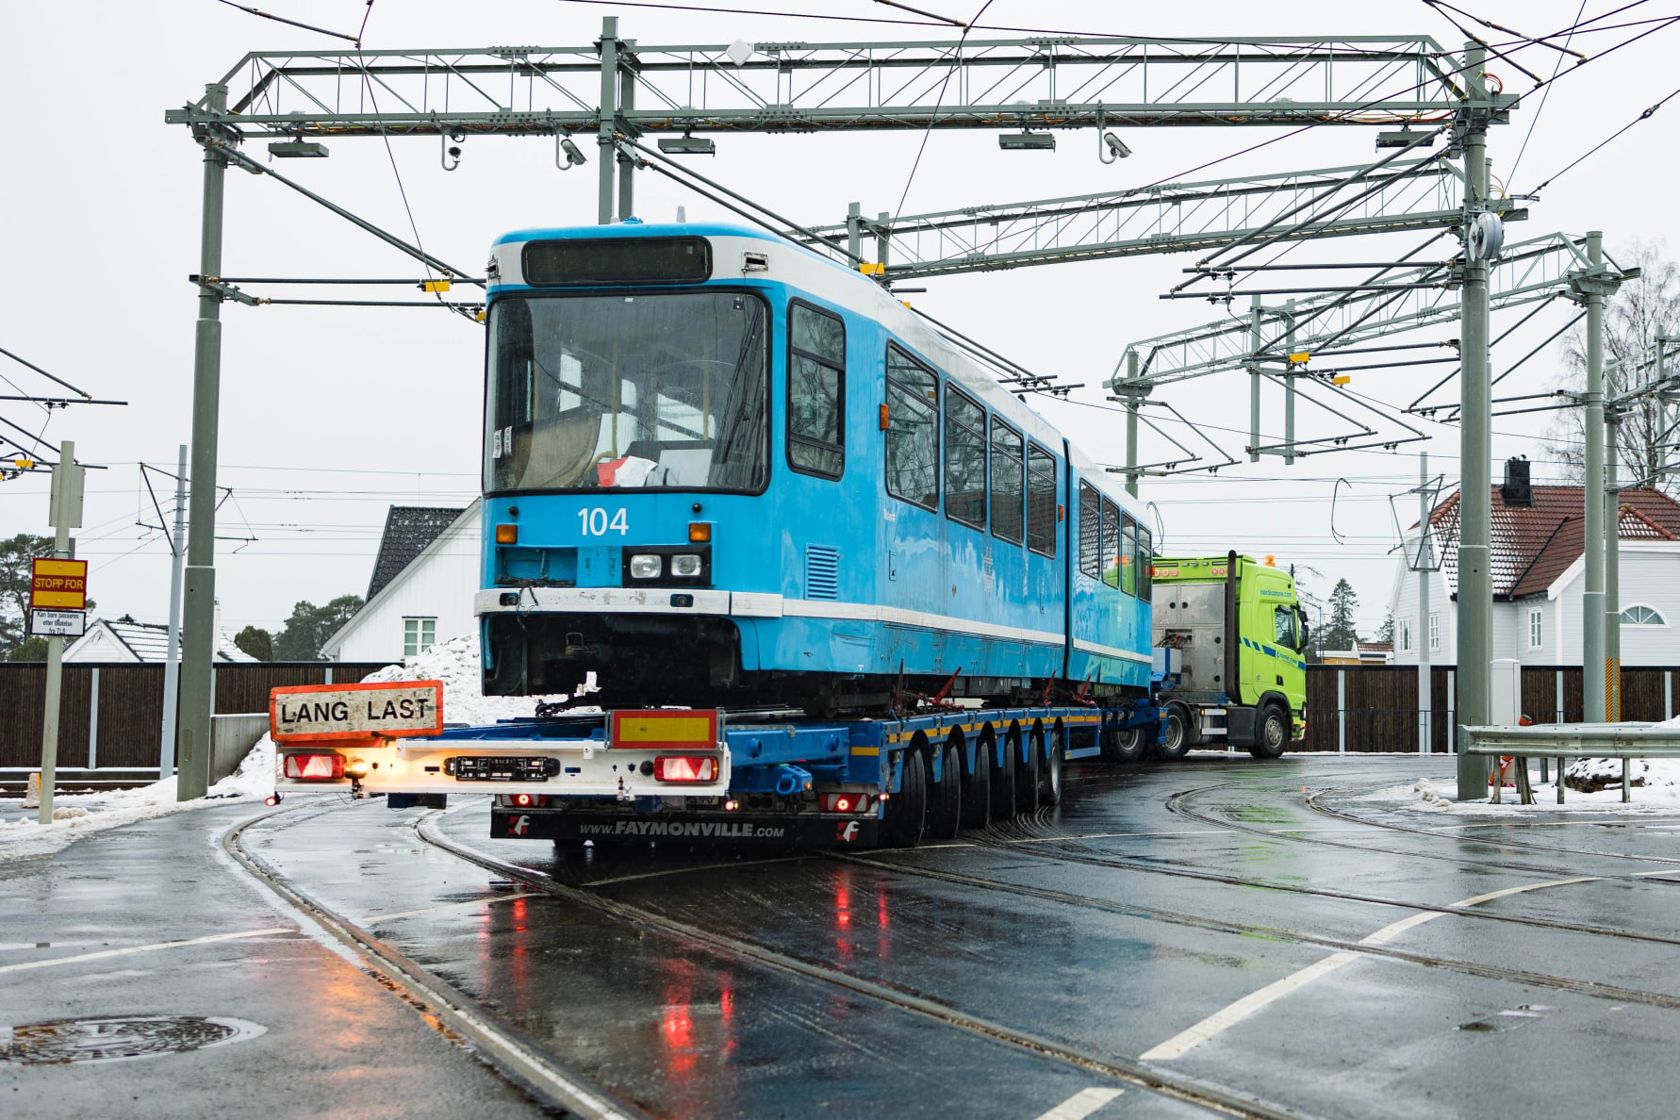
x,y
58,584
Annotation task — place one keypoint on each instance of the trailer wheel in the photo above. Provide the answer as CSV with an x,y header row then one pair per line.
x,y
1003,777
1124,745
1050,778
1026,776
977,789
1178,742
945,812
1273,734
907,809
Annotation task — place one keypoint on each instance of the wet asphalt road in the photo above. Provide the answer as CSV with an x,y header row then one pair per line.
x,y
1207,921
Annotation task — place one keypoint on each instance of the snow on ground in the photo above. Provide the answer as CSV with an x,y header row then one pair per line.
x,y
454,662
1658,791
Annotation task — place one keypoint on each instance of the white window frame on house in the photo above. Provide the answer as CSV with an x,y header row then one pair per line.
x,y
1536,628
1434,630
1651,616
419,634
1405,635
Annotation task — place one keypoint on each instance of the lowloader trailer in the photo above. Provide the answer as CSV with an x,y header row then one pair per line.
x,y
707,774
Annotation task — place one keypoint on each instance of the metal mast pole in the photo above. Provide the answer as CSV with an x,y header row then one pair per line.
x,y
604,133
198,645
1612,557
1592,599
1132,399
1254,331
626,165
1289,391
66,511
1475,579
1425,557
172,663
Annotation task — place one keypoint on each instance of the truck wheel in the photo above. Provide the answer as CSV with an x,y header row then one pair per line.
x,y
1050,778
977,790
907,809
1273,733
1124,745
1003,778
1177,743
945,812
1026,776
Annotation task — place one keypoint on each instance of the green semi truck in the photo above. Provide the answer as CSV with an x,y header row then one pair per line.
x,y
1230,667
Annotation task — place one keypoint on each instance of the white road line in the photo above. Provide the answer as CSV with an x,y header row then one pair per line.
x,y
463,904
106,954
1187,1040
1081,1104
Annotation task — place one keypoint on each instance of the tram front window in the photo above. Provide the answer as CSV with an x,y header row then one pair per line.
x,y
663,391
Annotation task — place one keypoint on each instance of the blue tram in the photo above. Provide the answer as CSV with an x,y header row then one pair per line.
x,y
721,469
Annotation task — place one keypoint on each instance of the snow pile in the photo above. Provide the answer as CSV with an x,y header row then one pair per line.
x,y
455,663
78,815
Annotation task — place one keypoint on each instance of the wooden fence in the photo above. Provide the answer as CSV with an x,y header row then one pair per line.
x,y
1375,708
111,715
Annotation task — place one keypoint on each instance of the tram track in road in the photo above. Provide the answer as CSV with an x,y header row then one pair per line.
x,y
1178,804
1190,1090
1047,845
446,1010
1590,988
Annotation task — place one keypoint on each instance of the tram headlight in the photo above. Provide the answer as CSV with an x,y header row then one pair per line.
x,y
685,565
645,565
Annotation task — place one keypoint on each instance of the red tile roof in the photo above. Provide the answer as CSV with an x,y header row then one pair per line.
x,y
1533,545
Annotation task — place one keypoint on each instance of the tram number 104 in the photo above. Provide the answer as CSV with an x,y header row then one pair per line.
x,y
598,522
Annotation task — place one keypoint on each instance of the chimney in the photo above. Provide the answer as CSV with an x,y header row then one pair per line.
x,y
1516,490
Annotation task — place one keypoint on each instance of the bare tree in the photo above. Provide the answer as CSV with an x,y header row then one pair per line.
x,y
1639,311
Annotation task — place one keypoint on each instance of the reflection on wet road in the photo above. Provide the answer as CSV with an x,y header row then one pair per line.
x,y
1261,935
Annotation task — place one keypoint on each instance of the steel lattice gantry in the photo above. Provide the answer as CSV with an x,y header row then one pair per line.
x,y
1417,194
1044,82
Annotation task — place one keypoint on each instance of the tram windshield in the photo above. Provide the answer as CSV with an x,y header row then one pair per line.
x,y
663,391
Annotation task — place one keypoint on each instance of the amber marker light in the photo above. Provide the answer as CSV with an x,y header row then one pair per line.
x,y
507,534
699,532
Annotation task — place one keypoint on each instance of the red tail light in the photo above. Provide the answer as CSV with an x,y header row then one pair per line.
x,y
845,802
315,767
528,800
685,768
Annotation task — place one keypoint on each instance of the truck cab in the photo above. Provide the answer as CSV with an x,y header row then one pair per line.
x,y
1229,636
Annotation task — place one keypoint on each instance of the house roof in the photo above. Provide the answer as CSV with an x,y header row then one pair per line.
x,y
466,519
149,641
1534,545
408,530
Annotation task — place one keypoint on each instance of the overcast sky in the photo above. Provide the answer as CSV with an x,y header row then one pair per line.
x,y
329,416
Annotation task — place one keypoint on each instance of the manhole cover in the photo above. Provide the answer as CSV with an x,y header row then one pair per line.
x,y
111,1040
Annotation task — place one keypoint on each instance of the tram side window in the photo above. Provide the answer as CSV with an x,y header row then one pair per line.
x,y
1041,500
1145,564
1090,531
912,430
816,391
965,459
1110,543
1128,555
1007,469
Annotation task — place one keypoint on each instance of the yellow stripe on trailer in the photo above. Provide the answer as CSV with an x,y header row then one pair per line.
x,y
652,729
867,752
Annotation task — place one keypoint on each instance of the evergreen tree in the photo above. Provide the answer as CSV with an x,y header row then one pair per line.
x,y
1341,633
1385,632
309,626
257,642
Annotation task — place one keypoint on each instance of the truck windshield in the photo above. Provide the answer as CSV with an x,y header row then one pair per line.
x,y
663,391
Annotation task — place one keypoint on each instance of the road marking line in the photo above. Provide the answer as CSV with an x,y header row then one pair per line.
x,y
1081,1104
1226,1017
463,904
104,954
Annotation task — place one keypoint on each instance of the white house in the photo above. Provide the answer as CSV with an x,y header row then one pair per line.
x,y
1539,574
421,589
126,640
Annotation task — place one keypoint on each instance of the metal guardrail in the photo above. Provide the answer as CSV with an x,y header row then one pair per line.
x,y
1574,740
